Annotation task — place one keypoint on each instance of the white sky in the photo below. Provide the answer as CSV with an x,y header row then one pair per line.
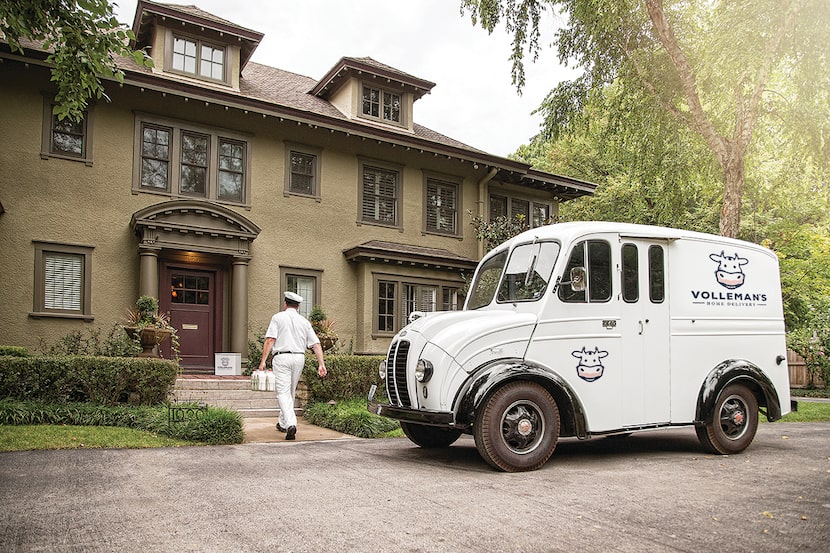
x,y
473,99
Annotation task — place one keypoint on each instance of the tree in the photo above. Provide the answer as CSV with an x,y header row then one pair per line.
x,y
718,68
84,40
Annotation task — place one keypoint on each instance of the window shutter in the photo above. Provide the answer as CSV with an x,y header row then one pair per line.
x,y
380,195
63,282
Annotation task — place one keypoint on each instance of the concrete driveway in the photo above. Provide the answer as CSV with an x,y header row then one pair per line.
x,y
651,492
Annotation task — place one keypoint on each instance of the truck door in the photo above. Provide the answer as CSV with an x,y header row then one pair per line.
x,y
578,334
645,330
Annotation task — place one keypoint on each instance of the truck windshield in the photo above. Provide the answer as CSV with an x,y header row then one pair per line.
x,y
486,282
525,278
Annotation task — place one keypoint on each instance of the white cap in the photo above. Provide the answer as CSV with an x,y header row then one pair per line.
x,y
293,297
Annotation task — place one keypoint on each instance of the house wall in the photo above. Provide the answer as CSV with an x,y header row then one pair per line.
x,y
69,202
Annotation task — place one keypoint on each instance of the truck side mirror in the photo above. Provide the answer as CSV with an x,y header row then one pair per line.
x,y
578,279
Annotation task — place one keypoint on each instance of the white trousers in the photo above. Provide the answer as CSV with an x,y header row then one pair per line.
x,y
287,370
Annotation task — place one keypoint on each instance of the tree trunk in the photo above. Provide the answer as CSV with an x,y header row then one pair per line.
x,y
733,185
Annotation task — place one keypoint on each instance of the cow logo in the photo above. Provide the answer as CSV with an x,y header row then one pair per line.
x,y
590,365
730,273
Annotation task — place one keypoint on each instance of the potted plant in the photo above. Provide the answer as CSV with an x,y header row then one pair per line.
x,y
323,327
148,326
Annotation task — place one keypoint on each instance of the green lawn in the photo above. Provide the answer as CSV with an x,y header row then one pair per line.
x,y
47,436
809,412
348,416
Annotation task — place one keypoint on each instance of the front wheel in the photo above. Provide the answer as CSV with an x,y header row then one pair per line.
x,y
516,429
733,422
430,436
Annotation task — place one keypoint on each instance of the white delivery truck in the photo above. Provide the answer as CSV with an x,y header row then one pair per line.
x,y
591,329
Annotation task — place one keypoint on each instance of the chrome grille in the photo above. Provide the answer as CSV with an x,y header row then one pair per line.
x,y
396,374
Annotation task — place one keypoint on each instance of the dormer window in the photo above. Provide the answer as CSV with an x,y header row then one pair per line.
x,y
199,59
381,104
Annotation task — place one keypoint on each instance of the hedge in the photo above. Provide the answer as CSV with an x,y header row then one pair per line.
x,y
348,376
214,425
79,378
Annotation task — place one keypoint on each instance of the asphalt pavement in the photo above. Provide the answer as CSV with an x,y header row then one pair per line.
x,y
651,492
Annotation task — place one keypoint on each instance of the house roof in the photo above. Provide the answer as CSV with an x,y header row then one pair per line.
x,y
275,92
348,67
147,11
393,253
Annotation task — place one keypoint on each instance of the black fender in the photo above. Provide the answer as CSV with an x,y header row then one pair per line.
x,y
737,370
490,376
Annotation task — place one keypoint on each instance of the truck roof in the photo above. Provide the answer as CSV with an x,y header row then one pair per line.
x,y
568,232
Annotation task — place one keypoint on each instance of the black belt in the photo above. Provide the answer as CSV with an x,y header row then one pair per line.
x,y
292,352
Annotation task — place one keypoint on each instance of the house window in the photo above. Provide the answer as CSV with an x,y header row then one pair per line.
x,y
520,208
302,175
184,160
63,280
396,300
541,215
155,157
193,57
304,282
386,306
535,214
381,104
231,170
66,139
441,205
379,196
194,168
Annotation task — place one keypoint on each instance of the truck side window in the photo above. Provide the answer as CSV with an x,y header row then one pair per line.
x,y
528,271
656,274
595,256
630,273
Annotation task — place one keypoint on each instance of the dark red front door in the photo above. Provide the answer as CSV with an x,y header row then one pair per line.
x,y
192,303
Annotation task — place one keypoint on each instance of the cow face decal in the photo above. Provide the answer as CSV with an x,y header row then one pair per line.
x,y
590,365
730,273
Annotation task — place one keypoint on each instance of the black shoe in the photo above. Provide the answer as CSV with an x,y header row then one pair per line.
x,y
291,432
280,428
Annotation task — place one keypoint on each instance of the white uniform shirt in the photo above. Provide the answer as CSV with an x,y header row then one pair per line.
x,y
291,331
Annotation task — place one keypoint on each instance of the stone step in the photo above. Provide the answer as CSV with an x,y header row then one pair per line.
x,y
234,394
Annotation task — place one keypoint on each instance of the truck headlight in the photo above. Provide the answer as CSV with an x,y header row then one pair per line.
x,y
423,371
382,370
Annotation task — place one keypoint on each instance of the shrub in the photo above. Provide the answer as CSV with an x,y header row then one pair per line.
x,y
215,426
348,376
115,343
14,351
350,417
100,380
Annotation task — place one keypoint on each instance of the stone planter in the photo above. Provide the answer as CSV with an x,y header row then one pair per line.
x,y
327,342
150,339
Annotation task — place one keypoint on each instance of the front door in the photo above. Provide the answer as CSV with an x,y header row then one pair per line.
x,y
191,298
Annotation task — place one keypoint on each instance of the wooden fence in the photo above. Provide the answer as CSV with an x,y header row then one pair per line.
x,y
799,376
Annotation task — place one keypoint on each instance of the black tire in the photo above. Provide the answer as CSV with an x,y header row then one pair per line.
x,y
731,426
430,436
517,428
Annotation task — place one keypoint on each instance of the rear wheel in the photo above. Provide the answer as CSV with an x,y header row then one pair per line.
x,y
516,429
430,436
731,426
